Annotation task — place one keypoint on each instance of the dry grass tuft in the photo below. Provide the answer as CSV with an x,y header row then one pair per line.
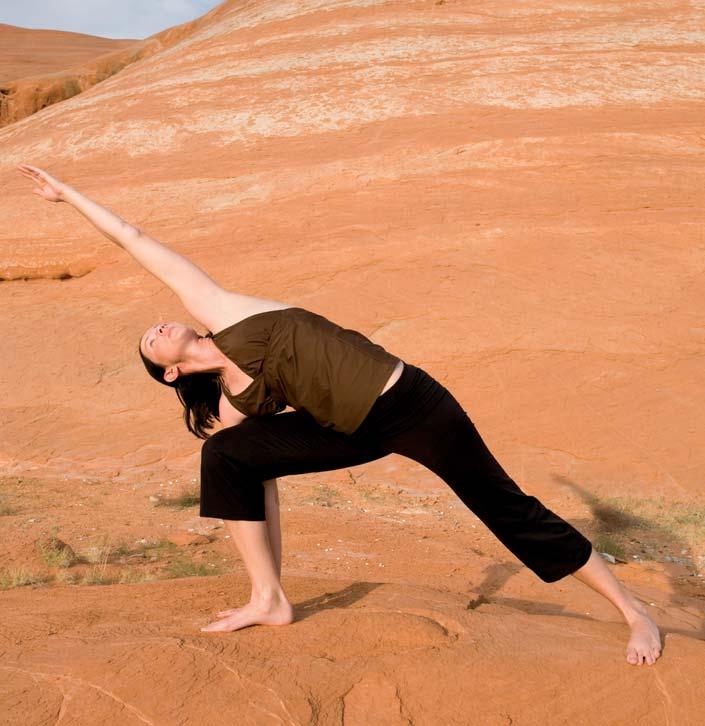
x,y
650,529
132,576
186,499
20,577
55,552
98,576
186,568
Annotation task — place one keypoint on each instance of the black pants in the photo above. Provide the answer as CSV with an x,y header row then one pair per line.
x,y
417,418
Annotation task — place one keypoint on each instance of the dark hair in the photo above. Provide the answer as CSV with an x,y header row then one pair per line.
x,y
199,393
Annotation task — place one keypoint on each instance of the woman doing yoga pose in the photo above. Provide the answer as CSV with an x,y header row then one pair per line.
x,y
353,402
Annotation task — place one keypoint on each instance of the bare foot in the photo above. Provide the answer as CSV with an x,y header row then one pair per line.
x,y
645,642
225,613
277,612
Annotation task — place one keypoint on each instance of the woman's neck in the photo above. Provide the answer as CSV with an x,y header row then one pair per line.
x,y
206,357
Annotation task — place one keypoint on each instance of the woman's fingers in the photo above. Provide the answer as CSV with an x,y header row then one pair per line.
x,y
35,171
47,186
25,169
29,174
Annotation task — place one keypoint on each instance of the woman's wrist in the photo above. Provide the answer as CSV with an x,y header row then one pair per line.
x,y
67,193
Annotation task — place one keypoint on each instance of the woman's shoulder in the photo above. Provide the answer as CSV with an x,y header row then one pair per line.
x,y
238,308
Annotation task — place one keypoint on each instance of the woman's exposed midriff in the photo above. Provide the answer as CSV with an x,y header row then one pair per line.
x,y
396,375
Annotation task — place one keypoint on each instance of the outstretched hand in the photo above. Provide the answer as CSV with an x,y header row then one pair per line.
x,y
47,186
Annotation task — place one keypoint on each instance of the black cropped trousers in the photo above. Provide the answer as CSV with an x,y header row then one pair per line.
x,y
417,418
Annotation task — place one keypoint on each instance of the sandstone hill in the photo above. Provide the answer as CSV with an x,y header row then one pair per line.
x,y
35,51
41,67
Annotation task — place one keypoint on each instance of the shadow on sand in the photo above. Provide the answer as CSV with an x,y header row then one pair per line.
x,y
606,521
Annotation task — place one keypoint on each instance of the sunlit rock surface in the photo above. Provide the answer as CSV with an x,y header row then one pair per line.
x,y
509,195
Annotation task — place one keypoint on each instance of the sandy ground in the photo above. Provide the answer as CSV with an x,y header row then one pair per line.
x,y
509,196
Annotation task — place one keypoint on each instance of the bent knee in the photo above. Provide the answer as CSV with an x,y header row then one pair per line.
x,y
231,442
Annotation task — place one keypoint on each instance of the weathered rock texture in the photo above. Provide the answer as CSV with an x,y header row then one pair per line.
x,y
509,195
42,67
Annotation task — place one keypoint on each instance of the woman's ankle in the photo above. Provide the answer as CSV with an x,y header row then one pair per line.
x,y
268,595
633,609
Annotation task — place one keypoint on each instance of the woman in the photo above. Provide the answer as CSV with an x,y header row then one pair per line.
x,y
353,402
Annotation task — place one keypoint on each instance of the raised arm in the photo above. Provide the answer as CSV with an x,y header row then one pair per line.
x,y
205,300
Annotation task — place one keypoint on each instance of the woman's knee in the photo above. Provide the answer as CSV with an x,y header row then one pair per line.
x,y
228,442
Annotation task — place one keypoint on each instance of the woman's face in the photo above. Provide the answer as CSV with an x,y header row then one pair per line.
x,y
165,343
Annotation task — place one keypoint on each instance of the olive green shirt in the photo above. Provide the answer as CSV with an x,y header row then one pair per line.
x,y
301,359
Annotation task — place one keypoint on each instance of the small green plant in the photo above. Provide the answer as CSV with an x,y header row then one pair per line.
x,y
157,549
606,543
690,514
370,494
324,496
97,576
104,552
66,578
186,568
187,498
19,577
131,576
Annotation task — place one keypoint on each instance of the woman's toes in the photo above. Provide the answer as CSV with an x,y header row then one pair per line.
x,y
632,656
212,628
225,613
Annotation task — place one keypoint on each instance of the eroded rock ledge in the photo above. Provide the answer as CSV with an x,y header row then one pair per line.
x,y
14,273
